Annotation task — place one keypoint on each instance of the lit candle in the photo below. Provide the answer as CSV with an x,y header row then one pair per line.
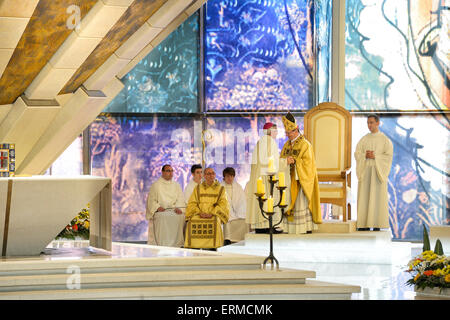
x,y
271,168
283,198
260,188
281,182
270,204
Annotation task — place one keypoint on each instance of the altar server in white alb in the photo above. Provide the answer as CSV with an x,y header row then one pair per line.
x,y
373,156
197,174
166,209
266,150
236,227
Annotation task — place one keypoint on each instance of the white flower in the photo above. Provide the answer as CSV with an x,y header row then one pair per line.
x,y
409,196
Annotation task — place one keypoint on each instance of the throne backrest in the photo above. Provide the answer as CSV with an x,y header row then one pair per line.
x,y
328,127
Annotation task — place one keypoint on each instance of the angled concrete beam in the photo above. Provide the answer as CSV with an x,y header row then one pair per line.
x,y
76,114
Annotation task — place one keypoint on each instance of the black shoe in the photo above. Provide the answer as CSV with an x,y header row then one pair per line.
x,y
277,231
363,229
262,230
227,242
375,229
308,232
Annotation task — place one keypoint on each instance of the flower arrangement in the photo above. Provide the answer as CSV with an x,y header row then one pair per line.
x,y
78,227
431,269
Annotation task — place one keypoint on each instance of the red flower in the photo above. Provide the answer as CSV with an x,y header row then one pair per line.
x,y
428,273
75,227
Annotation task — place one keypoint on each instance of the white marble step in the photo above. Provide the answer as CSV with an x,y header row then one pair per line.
x,y
354,247
152,279
342,241
310,290
104,265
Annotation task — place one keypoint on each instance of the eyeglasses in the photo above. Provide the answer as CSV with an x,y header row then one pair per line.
x,y
168,170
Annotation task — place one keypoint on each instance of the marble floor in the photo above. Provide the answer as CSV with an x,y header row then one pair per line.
x,y
378,281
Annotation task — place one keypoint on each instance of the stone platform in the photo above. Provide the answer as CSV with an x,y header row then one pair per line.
x,y
74,270
343,246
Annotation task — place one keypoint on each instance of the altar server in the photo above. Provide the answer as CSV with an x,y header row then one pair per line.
x,y
197,173
373,156
166,207
236,227
266,149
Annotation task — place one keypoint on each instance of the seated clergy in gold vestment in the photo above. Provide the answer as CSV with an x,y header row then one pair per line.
x,y
206,211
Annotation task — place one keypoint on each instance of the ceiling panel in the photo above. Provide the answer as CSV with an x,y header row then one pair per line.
x,y
43,35
136,15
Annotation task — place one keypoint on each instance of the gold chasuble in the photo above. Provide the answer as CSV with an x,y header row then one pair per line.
x,y
206,233
305,167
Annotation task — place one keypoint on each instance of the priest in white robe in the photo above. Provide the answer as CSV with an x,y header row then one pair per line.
x,y
166,208
266,148
373,156
197,174
236,227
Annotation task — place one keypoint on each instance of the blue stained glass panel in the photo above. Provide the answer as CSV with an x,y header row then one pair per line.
x,y
258,55
166,79
131,151
323,16
397,55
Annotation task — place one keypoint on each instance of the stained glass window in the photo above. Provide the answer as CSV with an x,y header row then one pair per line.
x,y
397,55
323,16
132,151
259,55
262,56
166,79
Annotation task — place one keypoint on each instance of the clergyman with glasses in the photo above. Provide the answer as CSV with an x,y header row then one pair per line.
x,y
166,208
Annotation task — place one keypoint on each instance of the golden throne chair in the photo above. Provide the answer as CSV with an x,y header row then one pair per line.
x,y
328,127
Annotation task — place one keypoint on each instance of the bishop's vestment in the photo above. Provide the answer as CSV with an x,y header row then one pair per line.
x,y
303,187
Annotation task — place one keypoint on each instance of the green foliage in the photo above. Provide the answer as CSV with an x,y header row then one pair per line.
x,y
426,240
438,248
429,270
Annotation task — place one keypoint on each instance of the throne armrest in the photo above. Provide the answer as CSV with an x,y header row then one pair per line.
x,y
346,172
331,177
